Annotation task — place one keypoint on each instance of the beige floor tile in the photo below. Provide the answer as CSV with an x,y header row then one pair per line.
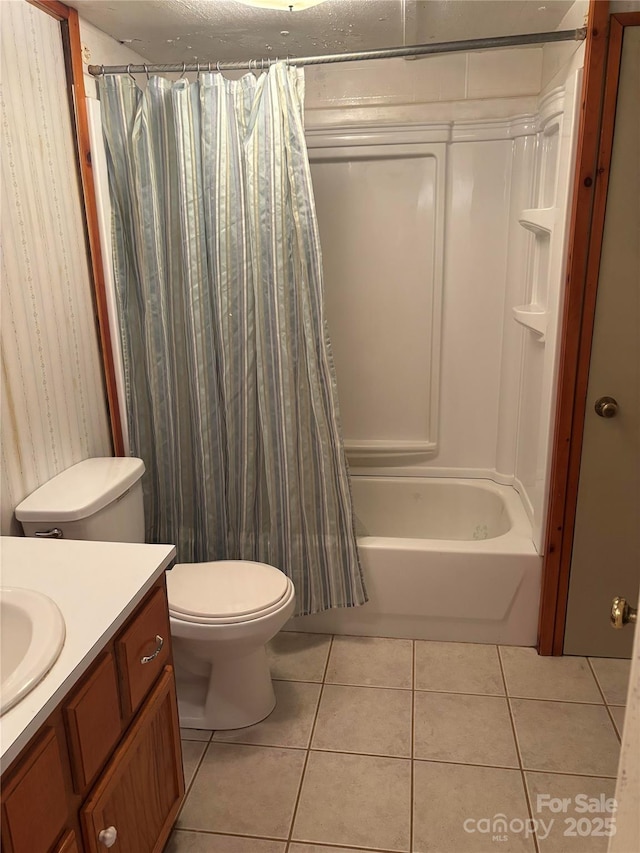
x,y
204,842
196,734
455,806
458,668
571,812
192,752
297,656
374,720
355,800
617,712
290,722
613,677
565,738
533,676
371,661
244,790
464,729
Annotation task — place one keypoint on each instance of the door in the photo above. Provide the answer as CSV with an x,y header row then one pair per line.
x,y
606,551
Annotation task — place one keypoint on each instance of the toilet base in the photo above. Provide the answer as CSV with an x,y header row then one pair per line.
x,y
238,693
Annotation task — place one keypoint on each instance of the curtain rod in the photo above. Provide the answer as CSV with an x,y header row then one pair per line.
x,y
381,53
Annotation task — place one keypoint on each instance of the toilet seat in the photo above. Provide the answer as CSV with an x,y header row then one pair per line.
x,y
226,592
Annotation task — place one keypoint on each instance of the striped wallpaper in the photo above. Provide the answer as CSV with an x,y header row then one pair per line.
x,y
53,406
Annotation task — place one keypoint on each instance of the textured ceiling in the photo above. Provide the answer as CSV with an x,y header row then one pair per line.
x,y
210,30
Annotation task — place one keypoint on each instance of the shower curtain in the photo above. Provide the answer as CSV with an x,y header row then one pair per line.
x,y
231,391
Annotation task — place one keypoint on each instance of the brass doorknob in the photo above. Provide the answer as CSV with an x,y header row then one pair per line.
x,y
606,407
622,613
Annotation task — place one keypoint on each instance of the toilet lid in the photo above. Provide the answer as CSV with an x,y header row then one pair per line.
x,y
224,589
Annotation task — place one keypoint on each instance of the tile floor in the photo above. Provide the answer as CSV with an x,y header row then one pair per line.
x,y
396,745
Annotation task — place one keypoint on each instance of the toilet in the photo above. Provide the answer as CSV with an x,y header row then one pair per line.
x,y
222,613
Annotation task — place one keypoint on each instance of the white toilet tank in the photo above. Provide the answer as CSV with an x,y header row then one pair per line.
x,y
99,499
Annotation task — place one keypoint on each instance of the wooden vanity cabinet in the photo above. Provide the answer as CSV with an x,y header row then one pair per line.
x,y
109,757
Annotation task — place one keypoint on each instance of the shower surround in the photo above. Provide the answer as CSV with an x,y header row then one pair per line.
x,y
443,235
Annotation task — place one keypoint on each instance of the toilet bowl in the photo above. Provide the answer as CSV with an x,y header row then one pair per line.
x,y
222,613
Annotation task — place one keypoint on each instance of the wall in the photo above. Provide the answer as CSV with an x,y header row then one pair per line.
x,y
558,60
508,149
458,86
471,93
100,49
53,404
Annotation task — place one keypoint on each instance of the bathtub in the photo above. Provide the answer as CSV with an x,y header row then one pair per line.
x,y
443,559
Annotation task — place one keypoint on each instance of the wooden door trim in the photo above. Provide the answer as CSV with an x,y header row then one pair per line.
x,y
52,7
70,27
587,225
93,230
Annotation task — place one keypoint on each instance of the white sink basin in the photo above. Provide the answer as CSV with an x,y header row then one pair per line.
x,y
32,633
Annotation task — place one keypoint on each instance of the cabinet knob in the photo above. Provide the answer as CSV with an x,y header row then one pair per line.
x,y
108,836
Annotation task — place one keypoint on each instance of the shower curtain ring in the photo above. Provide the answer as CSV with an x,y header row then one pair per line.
x,y
129,72
102,70
146,71
218,66
184,69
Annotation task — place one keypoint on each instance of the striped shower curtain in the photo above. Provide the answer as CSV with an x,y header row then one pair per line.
x,y
231,389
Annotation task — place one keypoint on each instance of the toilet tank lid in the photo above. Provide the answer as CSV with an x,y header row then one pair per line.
x,y
81,490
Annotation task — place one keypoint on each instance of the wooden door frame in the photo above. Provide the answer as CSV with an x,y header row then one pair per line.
x,y
72,46
595,143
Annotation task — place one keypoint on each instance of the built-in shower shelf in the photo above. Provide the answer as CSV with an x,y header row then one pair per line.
x,y
379,448
540,220
532,317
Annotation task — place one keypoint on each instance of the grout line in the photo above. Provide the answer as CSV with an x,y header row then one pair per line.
x,y
604,699
371,686
340,684
505,767
569,773
187,788
459,692
557,701
215,833
451,692
523,778
326,845
323,844
413,729
308,750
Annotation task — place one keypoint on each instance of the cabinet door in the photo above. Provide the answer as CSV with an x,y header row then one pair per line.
x,y
92,716
140,791
142,651
68,844
34,800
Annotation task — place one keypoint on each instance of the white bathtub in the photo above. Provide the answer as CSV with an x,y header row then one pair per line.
x,y
443,559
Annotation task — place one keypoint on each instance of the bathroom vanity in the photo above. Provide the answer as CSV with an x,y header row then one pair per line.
x,y
91,756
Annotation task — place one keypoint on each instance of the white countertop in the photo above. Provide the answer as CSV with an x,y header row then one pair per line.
x,y
96,585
